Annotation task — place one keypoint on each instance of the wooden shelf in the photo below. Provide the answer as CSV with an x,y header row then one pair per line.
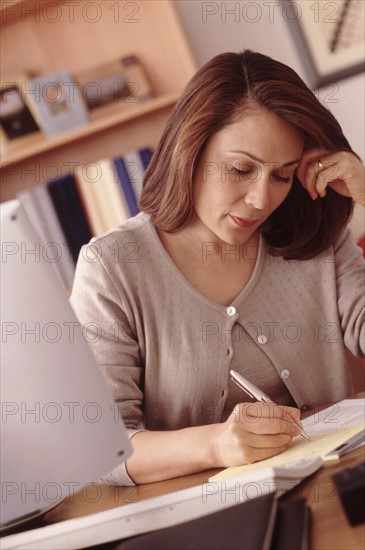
x,y
113,118
43,36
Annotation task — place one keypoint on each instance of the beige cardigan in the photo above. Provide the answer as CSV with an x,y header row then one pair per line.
x,y
166,350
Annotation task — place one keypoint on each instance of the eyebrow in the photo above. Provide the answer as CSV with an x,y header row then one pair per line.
x,y
290,163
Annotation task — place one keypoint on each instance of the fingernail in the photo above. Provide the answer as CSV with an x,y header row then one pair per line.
x,y
295,430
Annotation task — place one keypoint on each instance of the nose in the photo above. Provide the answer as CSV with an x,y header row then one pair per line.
x,y
258,193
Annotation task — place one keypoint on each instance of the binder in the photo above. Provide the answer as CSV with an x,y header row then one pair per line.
x,y
70,212
126,185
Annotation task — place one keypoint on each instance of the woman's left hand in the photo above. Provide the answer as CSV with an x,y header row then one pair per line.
x,y
342,171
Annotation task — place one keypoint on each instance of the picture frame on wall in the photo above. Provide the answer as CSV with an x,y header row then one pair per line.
x,y
18,126
333,34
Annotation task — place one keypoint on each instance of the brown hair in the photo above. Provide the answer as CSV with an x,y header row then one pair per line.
x,y
214,98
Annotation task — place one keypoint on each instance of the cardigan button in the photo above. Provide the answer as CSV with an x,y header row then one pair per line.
x,y
285,374
262,339
231,311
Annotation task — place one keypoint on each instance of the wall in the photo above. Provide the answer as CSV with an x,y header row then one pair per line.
x,y
215,27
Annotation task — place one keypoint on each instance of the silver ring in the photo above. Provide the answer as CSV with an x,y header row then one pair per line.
x,y
320,165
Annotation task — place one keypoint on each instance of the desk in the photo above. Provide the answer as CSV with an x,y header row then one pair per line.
x,y
330,528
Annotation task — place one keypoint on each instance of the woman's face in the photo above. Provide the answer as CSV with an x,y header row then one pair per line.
x,y
244,174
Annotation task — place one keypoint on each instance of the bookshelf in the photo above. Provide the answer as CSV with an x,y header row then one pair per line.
x,y
45,36
114,118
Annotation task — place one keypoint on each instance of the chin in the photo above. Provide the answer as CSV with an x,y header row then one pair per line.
x,y
238,237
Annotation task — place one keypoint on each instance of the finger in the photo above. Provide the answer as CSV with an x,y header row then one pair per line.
x,y
334,175
277,426
259,409
267,441
319,175
322,180
256,454
308,158
292,415
267,417
310,177
268,425
292,412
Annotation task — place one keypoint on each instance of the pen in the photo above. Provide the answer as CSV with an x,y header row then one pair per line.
x,y
254,392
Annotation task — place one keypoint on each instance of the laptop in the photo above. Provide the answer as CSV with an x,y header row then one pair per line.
x,y
60,428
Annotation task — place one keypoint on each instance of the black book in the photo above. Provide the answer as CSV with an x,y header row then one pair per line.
x,y
70,212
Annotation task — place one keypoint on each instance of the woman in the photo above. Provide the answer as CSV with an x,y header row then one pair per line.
x,y
239,260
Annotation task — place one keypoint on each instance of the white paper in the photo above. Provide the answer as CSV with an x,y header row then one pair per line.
x,y
339,415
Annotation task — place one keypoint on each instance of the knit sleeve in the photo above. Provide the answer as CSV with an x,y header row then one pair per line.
x,y
119,475
350,282
109,327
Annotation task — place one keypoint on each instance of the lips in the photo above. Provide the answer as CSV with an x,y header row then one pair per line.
x,y
244,222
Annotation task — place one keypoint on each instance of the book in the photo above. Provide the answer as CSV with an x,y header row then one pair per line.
x,y
101,189
136,163
146,154
57,103
86,179
104,194
70,212
40,211
110,188
114,205
126,185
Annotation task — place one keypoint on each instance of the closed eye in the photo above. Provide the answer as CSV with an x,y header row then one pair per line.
x,y
241,172
253,173
250,172
282,179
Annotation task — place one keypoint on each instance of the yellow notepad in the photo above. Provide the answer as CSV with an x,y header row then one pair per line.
x,y
300,448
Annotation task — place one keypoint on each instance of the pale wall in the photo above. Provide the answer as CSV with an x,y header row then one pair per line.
x,y
273,35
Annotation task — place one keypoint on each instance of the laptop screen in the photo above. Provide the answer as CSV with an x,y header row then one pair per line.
x,y
60,428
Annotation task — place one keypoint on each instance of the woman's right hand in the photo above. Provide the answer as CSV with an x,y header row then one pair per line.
x,y
253,432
